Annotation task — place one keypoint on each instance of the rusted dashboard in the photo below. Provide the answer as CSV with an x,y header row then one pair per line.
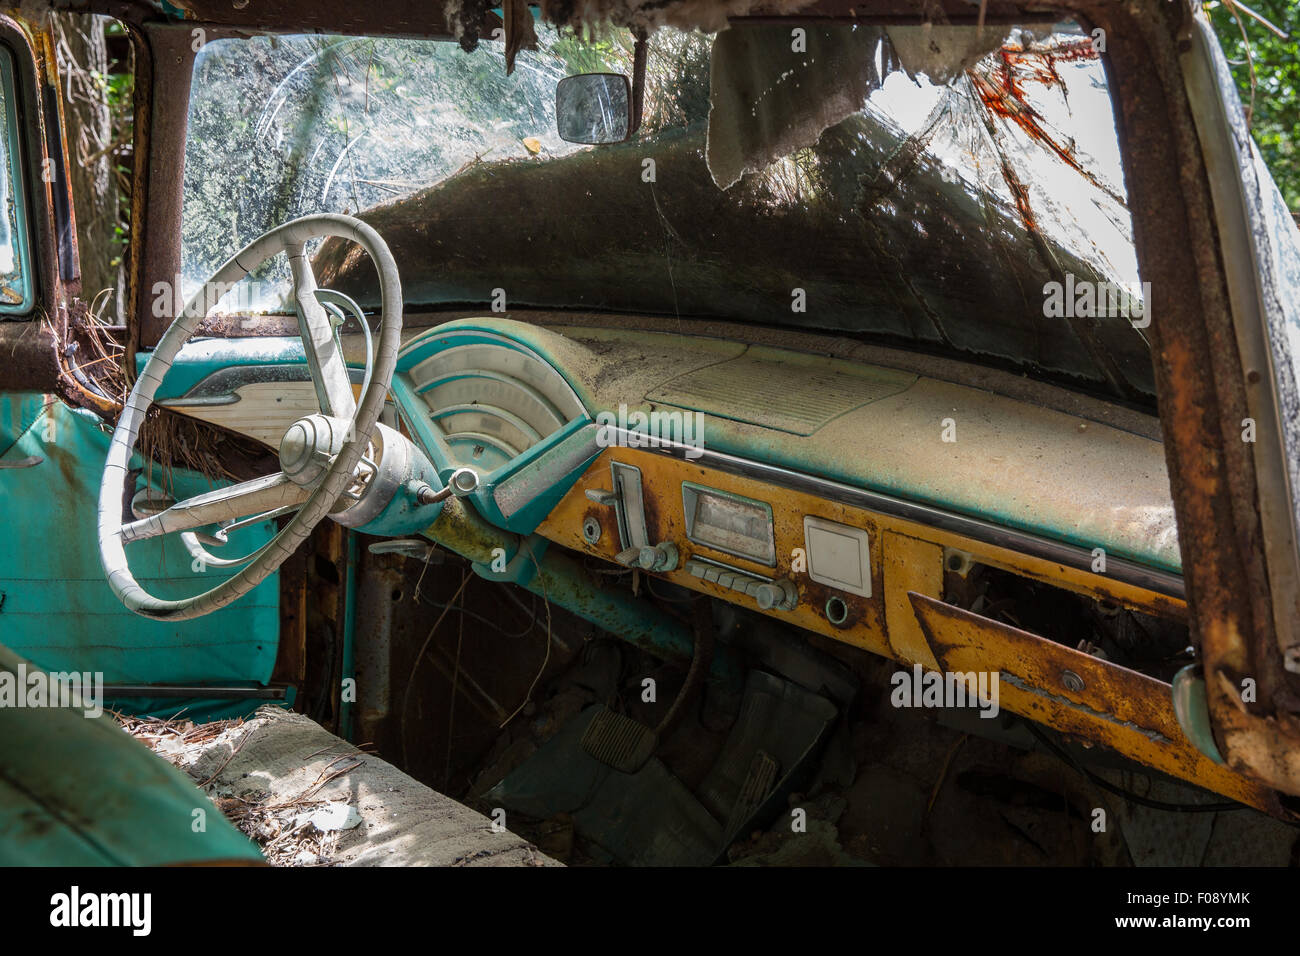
x,y
888,598
846,498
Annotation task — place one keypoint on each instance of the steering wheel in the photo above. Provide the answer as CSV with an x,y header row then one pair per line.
x,y
319,454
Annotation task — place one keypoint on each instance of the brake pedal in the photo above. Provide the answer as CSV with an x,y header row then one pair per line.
x,y
618,741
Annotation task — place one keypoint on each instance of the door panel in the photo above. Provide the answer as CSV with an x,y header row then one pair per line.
x,y
57,610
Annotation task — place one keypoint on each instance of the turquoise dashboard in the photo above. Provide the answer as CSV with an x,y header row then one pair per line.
x,y
525,405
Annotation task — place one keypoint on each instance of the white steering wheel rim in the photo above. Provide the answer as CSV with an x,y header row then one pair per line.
x,y
289,237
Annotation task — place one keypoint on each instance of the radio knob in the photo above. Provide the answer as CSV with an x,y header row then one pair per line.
x,y
779,595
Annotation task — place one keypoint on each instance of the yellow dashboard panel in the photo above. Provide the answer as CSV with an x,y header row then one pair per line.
x,y
905,562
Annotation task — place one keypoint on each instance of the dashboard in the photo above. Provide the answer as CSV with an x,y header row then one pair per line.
x,y
843,498
494,393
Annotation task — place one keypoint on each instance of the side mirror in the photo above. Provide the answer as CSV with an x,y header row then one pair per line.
x,y
594,108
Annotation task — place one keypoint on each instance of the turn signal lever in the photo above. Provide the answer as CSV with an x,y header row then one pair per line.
x,y
463,481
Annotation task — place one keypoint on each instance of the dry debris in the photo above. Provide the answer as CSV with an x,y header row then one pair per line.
x,y
300,831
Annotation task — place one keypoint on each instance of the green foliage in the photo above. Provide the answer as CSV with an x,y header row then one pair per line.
x,y
677,79
1273,109
118,87
304,124
592,55
283,127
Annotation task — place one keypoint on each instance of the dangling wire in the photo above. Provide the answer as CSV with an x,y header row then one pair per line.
x,y
410,682
547,659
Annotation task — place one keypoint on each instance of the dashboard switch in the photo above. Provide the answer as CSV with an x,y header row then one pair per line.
x,y
780,595
770,595
659,557
629,508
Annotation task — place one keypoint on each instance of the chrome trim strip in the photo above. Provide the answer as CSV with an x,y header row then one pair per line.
x,y
273,692
220,387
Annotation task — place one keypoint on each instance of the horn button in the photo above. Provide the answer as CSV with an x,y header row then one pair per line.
x,y
309,445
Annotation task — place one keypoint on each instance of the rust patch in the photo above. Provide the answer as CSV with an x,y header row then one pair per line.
x,y
1001,90
1100,701
816,595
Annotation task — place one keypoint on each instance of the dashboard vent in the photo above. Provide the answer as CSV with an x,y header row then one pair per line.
x,y
490,401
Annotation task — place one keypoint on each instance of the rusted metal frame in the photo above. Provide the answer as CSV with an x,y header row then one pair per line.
x,y
1079,694
32,345
914,12
160,172
412,17
28,346
59,179
417,18
42,70
141,135
1198,377
812,16
639,55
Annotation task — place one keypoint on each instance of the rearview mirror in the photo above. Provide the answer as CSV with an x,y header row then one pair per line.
x,y
594,108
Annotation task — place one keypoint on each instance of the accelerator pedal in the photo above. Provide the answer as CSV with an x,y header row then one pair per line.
x,y
618,741
758,784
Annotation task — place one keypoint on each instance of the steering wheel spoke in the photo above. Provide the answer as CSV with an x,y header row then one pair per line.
x,y
329,373
228,504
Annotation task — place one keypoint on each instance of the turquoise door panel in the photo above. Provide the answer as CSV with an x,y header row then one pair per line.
x,y
57,610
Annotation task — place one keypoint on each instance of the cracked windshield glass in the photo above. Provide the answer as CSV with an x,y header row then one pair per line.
x,y
945,189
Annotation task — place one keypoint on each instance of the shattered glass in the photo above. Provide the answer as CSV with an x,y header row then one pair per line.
x,y
982,217
282,127
1004,182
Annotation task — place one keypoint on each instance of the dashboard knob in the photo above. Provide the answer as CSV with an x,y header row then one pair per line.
x,y
463,482
665,557
658,557
780,595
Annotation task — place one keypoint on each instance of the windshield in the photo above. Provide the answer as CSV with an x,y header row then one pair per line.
x,y
968,202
